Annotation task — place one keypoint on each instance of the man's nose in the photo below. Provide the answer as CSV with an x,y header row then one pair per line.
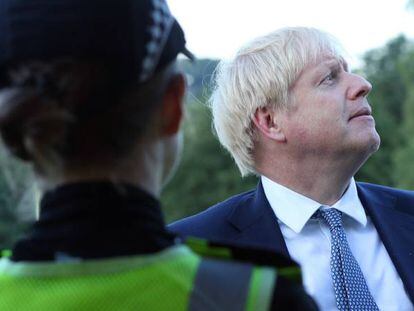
x,y
359,87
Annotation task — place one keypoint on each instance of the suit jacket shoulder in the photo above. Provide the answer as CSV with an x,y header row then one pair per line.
x,y
212,224
244,219
403,200
392,212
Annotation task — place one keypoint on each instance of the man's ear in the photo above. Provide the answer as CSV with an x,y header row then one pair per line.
x,y
267,122
172,105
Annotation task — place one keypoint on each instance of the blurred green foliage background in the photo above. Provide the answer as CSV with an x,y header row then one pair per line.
x,y
207,174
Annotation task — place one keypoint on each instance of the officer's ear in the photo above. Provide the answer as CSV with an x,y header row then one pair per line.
x,y
172,105
268,122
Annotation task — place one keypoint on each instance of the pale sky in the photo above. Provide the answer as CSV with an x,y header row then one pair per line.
x,y
216,28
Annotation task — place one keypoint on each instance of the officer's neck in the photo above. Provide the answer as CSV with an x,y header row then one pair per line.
x,y
144,168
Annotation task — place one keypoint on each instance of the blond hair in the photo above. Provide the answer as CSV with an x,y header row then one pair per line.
x,y
260,75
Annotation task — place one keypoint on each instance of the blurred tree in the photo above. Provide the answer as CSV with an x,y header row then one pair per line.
x,y
199,75
404,155
382,67
207,174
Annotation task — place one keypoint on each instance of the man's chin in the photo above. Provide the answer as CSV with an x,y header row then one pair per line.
x,y
370,144
374,142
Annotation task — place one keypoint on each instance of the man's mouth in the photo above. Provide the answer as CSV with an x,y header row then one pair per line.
x,y
364,112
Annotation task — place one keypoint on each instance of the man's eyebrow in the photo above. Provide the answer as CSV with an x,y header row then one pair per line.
x,y
336,64
331,64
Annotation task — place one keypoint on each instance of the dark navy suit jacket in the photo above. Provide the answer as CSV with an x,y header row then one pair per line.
x,y
247,219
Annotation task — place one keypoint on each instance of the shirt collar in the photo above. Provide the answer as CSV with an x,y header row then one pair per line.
x,y
351,205
294,209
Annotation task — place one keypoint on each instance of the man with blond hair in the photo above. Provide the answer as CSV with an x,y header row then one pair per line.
x,y
288,109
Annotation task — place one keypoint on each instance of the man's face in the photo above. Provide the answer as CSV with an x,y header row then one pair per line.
x,y
329,112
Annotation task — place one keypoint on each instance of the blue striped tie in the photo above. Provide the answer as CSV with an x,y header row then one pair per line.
x,y
351,290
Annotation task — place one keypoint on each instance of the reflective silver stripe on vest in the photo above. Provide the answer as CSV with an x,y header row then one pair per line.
x,y
220,285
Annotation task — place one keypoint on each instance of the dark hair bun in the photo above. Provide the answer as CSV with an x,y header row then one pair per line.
x,y
30,123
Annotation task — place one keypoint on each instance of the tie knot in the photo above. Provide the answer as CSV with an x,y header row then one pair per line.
x,y
332,216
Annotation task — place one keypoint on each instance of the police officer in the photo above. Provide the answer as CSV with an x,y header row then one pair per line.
x,y
91,97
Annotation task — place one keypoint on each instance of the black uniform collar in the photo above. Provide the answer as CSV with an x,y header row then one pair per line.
x,y
95,220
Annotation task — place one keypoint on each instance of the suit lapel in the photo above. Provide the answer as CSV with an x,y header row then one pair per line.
x,y
257,223
395,226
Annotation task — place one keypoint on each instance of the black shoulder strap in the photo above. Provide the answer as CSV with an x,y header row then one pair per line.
x,y
221,285
256,256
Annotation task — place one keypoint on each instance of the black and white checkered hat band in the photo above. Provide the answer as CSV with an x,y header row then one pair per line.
x,y
159,31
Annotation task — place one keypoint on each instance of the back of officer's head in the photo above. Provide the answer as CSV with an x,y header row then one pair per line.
x,y
83,81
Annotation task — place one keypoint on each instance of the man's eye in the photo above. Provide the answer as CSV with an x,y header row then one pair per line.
x,y
329,78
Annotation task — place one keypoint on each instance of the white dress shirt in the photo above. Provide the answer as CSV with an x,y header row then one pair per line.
x,y
308,243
